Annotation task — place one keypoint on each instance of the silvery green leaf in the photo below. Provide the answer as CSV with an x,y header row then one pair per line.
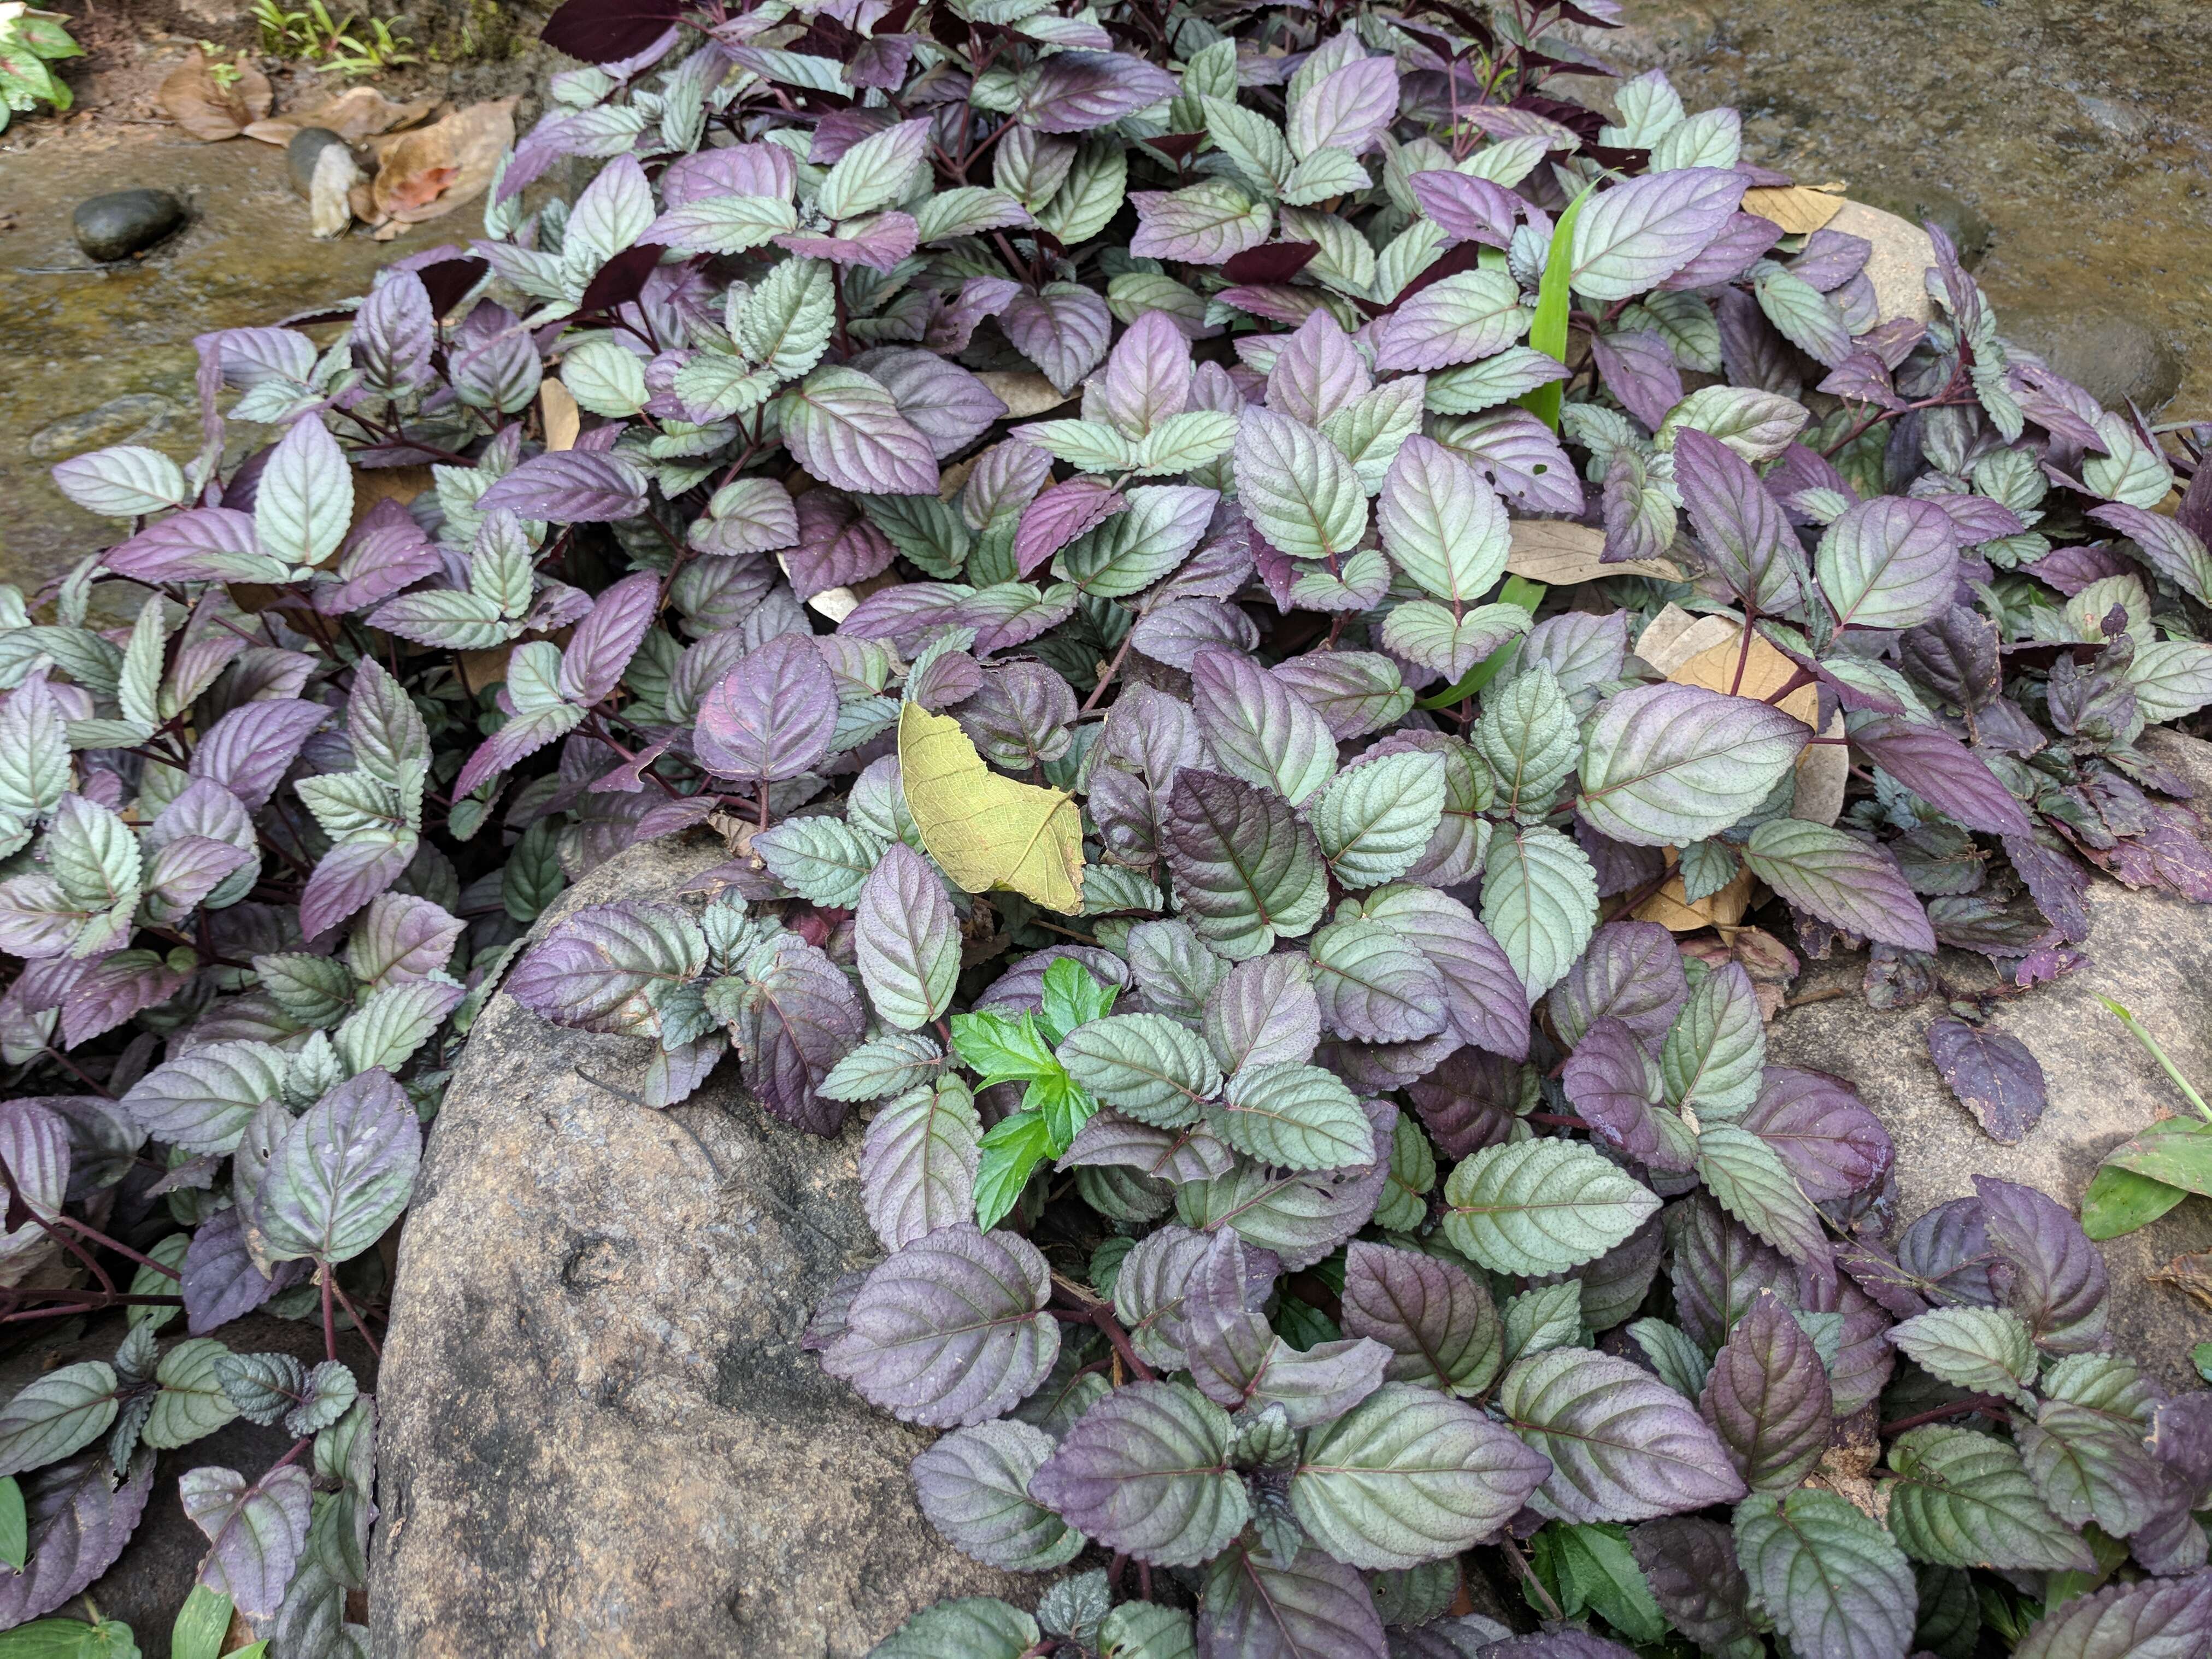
x,y
1144,1065
605,376
34,756
1297,487
973,1626
973,1486
1752,1184
1539,901
1715,1052
907,940
124,482
1294,1116
387,1029
203,1100
917,1163
1541,1207
1963,1499
1145,1472
1410,1475
305,502
1440,524
191,1402
1623,1445
1833,1580
1548,1317
1669,764
823,860
1374,820
1526,734
1985,1349
53,1415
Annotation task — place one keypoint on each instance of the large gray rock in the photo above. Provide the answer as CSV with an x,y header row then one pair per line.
x,y
2150,952
599,1435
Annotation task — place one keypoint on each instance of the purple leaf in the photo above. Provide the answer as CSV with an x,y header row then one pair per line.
x,y
1631,972
1847,882
1643,230
1246,869
343,1172
1740,244
1719,1267
118,987
1738,522
1062,328
256,1531
205,544
220,1280
837,546
249,750
1517,455
600,968
1469,1102
736,170
943,402
570,486
2057,1283
1207,223
2157,1618
78,1525
1767,1398
1613,1080
1251,1609
394,330
1147,378
1624,1446
591,663
387,551
1484,1002
797,1017
950,1330
773,715
348,877
846,428
1084,91
1889,562
1833,1143
1438,1323
1346,109
1993,1075
1943,771
1639,368
1180,631
1690,1565
1467,209
1273,262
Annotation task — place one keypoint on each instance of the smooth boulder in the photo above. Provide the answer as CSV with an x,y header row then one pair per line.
x,y
600,1437
2150,951
125,221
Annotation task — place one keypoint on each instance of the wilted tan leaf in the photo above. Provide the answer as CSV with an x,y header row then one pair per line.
x,y
210,113
984,829
2190,1274
1023,393
356,113
435,169
564,420
1557,554
1800,210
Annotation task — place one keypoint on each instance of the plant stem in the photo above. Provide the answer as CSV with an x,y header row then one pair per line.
x,y
1981,1402
2137,1031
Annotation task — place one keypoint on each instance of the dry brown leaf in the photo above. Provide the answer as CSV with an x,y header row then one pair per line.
x,y
1800,210
191,98
1671,909
1024,394
1558,554
2189,1275
564,420
435,169
356,113
388,483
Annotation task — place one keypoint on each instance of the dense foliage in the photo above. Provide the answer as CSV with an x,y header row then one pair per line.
x,y
1314,1182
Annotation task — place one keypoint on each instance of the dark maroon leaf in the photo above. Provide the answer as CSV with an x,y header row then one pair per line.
x,y
2056,1280
1944,772
623,278
1767,1398
1993,1075
608,31
1273,262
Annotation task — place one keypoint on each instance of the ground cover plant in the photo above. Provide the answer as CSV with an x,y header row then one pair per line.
x,y
1237,842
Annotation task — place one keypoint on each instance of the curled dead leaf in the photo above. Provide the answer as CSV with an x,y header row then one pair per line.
x,y
1557,554
1800,210
191,96
563,419
2189,1275
356,113
1023,393
430,171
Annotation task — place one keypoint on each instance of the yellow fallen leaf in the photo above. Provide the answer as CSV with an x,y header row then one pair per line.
x,y
1800,210
1022,392
564,422
983,830
1556,553
1670,907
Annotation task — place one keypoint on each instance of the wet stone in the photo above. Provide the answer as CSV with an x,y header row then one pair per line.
x,y
2117,359
300,155
125,221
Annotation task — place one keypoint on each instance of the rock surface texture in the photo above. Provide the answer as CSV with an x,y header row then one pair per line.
x,y
601,1435
2148,952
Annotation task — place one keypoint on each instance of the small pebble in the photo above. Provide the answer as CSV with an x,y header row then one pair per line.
x,y
125,221
300,155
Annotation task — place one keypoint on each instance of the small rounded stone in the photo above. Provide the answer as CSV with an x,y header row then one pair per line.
x,y
300,155
2117,359
125,221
